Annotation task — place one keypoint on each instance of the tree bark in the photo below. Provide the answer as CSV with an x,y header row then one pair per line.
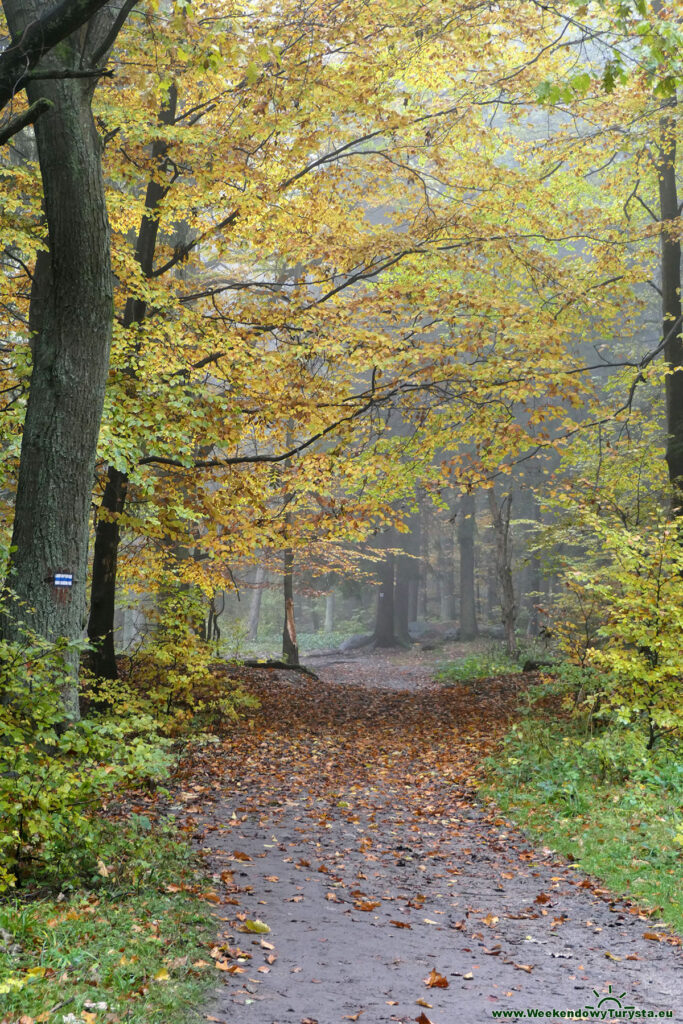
x,y
71,314
34,37
500,516
329,612
469,628
290,648
672,320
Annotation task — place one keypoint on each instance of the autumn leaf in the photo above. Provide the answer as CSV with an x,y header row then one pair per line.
x,y
255,926
435,980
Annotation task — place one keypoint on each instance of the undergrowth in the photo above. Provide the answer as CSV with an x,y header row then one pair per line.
x,y
592,790
127,948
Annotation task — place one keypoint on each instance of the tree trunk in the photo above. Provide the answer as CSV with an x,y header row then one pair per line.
x,y
384,623
255,609
290,648
469,628
329,612
71,315
671,299
500,516
101,660
404,571
423,583
448,610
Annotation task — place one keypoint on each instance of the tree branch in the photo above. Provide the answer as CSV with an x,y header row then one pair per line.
x,y
39,38
27,117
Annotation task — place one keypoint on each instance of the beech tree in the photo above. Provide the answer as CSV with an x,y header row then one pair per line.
x,y
70,322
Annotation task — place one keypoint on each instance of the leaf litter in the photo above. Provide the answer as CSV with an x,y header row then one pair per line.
x,y
361,799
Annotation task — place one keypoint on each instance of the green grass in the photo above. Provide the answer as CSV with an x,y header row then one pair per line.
x,y
129,945
479,665
604,801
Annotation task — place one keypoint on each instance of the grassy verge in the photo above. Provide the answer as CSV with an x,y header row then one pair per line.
x,y
133,949
602,800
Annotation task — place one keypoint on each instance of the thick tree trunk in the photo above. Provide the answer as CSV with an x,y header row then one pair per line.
x,y
71,314
102,661
671,300
385,635
290,648
469,628
500,516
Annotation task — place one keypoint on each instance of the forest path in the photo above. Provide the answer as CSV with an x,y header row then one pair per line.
x,y
346,820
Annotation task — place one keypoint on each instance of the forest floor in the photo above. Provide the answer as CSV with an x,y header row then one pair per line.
x,y
344,821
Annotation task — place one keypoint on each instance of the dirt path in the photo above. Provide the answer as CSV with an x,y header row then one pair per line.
x,y
345,820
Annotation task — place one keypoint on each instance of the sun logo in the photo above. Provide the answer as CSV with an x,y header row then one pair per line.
x,y
609,1000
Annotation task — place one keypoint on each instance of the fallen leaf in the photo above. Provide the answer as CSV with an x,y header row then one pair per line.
x,y
652,936
542,898
256,926
238,855
223,965
162,975
423,1019
400,924
423,1002
490,920
435,980
524,967
367,905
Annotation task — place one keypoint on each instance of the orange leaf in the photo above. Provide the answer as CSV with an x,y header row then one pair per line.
x,y
435,980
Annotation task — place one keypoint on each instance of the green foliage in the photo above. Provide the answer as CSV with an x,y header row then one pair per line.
x,y
140,933
477,666
606,801
55,774
176,679
634,647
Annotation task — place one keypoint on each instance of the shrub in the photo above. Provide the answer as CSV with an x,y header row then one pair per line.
x,y
55,774
176,680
